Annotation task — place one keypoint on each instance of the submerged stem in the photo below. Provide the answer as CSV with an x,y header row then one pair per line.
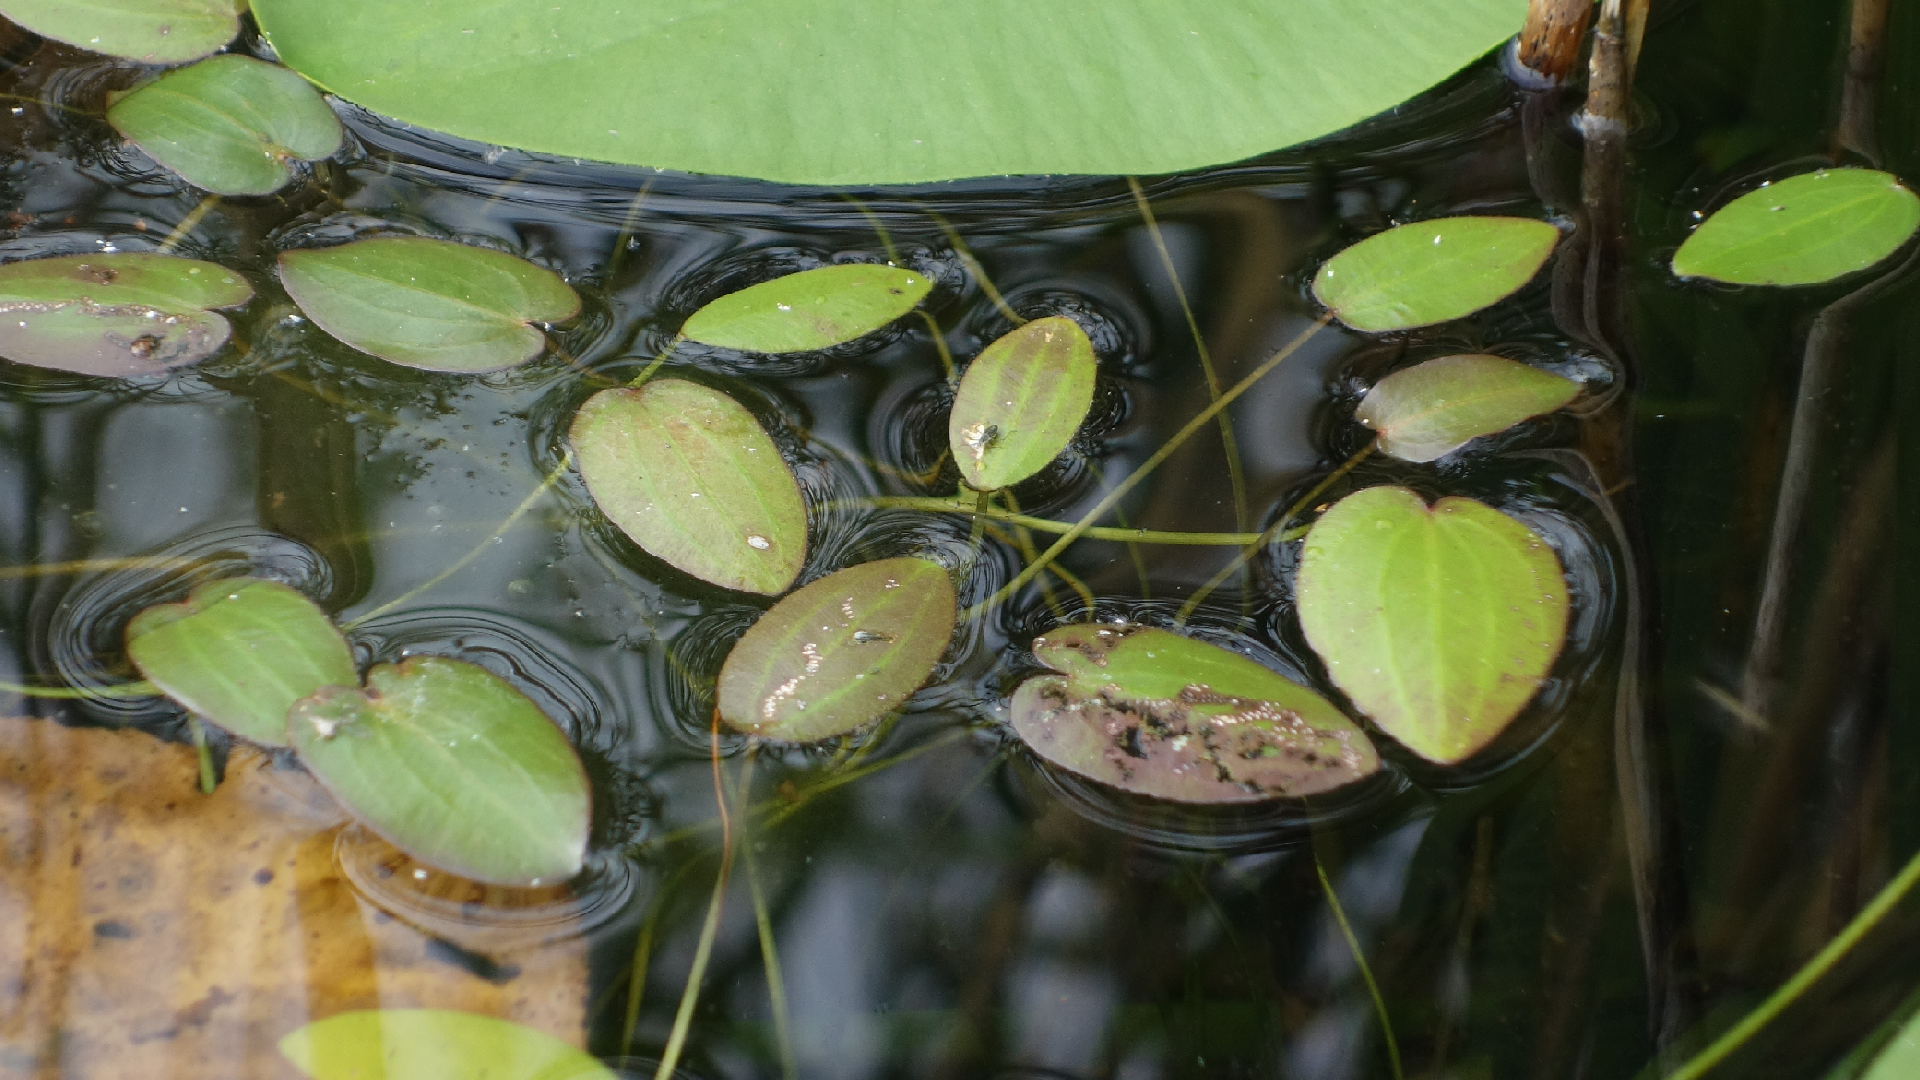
x,y
83,693
188,224
208,781
1366,973
944,505
979,272
709,929
763,923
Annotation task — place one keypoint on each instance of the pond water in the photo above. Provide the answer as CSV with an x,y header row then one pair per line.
x,y
943,905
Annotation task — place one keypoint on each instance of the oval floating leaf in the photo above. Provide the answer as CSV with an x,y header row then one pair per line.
x,y
229,124
118,315
429,304
842,651
1439,623
1805,229
432,1044
1157,713
687,472
239,653
151,31
813,309
1021,401
453,766
1432,271
1434,408
826,94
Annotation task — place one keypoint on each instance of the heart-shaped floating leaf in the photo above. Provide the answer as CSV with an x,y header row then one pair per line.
x,y
1439,623
1802,230
813,309
842,651
1434,408
1432,271
453,766
432,1044
824,93
1157,713
229,124
429,304
239,653
151,31
1021,401
118,315
687,472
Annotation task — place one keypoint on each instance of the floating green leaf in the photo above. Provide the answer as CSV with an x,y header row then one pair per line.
x,y
1157,713
1805,229
1432,271
688,473
239,653
432,1044
1900,1060
1021,401
229,124
826,94
453,766
1440,623
813,309
430,304
1434,408
119,315
151,31
842,651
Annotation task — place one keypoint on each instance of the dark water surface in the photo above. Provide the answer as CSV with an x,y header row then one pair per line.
x,y
943,906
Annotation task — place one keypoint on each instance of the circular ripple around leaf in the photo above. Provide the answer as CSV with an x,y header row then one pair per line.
x,y
813,309
120,315
430,304
239,653
432,1044
1434,408
453,766
687,472
1802,230
1020,402
1157,713
229,124
1439,623
1432,271
151,31
844,650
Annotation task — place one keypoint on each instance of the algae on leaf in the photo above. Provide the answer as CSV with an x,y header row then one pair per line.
x,y
1152,712
812,93
117,315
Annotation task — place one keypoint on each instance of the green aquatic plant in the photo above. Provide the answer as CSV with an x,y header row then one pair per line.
x,y
231,125
117,314
1435,407
432,1044
150,31
1803,230
808,310
1020,402
1432,271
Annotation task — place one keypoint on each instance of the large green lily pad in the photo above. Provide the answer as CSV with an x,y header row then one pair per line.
x,y
813,309
1020,402
452,765
817,93
1436,407
687,472
230,124
432,1044
239,653
118,315
1439,622
430,304
150,31
844,650
1802,230
1157,713
1432,271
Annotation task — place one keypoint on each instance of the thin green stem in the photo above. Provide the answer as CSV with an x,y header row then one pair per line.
x,y
1228,444
1277,529
624,237
527,504
763,923
637,975
709,929
1811,972
83,693
188,223
1133,547
81,566
647,372
1146,468
979,272
1366,973
939,341
945,505
205,753
879,228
